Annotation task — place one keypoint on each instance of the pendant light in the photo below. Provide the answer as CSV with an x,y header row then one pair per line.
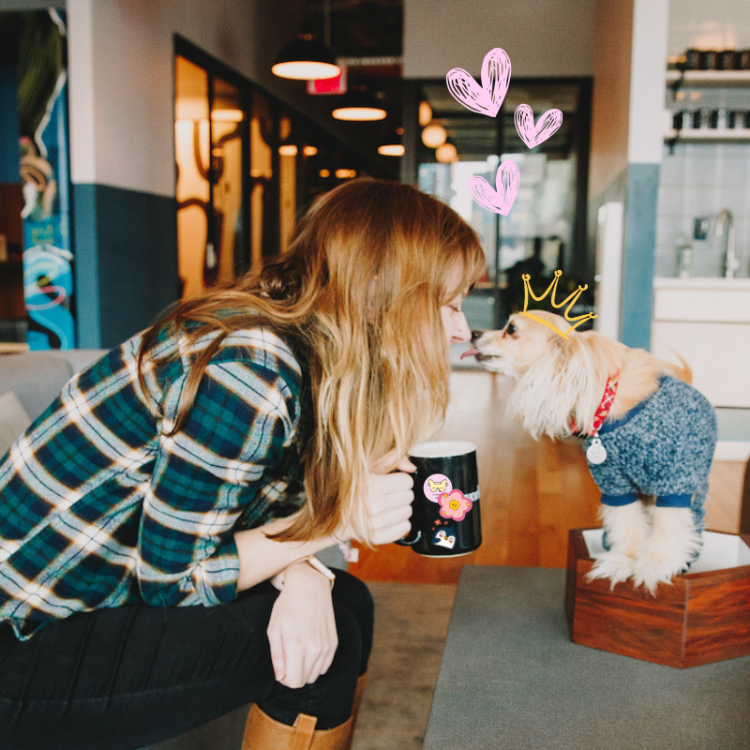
x,y
306,59
434,135
392,145
446,154
359,105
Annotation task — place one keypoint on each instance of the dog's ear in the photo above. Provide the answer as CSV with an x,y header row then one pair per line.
x,y
556,387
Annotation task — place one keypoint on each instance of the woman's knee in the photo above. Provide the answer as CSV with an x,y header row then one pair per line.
x,y
353,595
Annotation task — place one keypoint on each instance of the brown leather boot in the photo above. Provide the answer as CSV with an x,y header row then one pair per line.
x,y
355,707
264,733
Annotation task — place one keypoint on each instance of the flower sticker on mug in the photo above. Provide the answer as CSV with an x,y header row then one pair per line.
x,y
435,485
454,505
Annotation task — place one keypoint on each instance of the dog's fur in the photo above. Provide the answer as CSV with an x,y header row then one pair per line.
x,y
560,378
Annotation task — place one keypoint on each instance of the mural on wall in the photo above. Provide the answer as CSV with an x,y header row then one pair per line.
x,y
47,257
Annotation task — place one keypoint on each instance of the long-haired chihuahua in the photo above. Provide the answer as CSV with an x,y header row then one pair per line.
x,y
649,436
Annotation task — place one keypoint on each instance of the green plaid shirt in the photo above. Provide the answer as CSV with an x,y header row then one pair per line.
x,y
99,509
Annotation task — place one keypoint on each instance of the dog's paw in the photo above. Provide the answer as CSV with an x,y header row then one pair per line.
x,y
615,566
655,568
674,543
660,565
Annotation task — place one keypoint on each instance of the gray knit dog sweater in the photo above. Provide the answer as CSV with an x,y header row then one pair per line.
x,y
663,447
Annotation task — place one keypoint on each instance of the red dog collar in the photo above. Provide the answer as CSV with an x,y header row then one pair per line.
x,y
603,409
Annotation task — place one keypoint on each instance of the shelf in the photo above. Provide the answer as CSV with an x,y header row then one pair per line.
x,y
709,136
710,77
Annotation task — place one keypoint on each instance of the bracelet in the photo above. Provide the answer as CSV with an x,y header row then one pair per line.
x,y
278,580
323,569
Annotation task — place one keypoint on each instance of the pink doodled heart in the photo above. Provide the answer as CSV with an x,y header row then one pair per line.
x,y
498,201
485,100
531,134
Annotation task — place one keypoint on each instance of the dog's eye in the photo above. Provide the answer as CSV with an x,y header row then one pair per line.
x,y
511,329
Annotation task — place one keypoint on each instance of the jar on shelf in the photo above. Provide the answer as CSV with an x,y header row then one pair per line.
x,y
702,118
709,59
739,119
720,118
727,59
683,120
692,59
684,257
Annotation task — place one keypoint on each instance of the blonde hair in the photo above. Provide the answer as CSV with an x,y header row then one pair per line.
x,y
358,296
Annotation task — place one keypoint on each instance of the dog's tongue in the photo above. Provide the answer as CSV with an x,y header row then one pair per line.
x,y
470,353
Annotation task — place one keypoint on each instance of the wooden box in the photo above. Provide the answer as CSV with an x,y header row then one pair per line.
x,y
703,617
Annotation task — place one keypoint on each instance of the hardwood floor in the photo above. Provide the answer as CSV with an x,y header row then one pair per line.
x,y
532,492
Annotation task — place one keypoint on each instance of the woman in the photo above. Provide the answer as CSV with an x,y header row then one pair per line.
x,y
169,474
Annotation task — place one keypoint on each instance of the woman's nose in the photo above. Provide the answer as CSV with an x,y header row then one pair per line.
x,y
462,332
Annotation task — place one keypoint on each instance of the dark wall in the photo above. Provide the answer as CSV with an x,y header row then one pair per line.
x,y
9,130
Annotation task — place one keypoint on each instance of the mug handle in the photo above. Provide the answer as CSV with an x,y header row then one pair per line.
x,y
406,541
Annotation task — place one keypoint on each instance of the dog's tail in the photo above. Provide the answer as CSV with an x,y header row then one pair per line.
x,y
683,373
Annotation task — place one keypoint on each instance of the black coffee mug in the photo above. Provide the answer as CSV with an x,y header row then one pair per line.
x,y
445,520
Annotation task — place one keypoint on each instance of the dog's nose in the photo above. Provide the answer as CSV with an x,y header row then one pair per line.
x,y
476,335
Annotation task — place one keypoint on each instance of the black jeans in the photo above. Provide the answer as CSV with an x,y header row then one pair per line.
x,y
124,678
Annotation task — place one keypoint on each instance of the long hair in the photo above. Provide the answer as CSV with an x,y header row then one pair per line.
x,y
358,293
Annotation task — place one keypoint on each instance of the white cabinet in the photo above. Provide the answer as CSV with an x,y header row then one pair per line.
x,y
706,322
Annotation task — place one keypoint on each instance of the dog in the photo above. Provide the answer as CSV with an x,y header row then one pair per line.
x,y
649,436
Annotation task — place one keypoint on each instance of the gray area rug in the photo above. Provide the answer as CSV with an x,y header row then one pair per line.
x,y
411,625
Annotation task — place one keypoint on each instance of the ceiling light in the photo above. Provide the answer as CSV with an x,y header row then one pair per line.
x,y
346,174
446,154
425,114
288,149
309,150
358,105
359,114
391,145
306,59
325,173
434,135
391,149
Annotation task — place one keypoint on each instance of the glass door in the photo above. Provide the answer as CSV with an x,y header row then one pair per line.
x,y
546,228
211,153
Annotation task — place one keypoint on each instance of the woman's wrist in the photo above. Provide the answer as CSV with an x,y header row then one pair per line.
x,y
303,569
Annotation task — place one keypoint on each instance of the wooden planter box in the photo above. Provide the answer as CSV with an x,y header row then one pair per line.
x,y
702,617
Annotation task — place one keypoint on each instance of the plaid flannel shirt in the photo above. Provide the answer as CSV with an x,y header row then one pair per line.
x,y
98,508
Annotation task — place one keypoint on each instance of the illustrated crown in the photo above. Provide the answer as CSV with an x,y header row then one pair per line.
x,y
572,299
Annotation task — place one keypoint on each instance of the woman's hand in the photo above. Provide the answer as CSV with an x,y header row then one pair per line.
x,y
302,629
389,498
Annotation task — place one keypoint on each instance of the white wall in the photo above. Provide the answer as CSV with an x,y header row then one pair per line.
x,y
718,24
122,80
543,38
648,81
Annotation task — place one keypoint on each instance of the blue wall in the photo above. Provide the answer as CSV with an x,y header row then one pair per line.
x,y
639,255
126,261
636,187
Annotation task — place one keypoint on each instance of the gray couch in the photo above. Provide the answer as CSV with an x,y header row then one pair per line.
x,y
36,378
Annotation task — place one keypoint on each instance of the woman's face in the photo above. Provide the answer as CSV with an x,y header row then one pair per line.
x,y
454,321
